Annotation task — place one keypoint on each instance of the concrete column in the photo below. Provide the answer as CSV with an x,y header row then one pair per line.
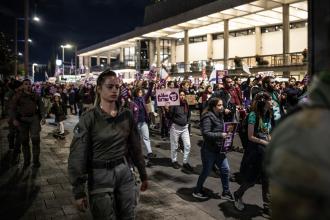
x,y
173,51
151,52
286,36
137,55
109,59
98,60
286,29
209,41
121,55
87,63
258,40
158,52
225,44
81,62
186,51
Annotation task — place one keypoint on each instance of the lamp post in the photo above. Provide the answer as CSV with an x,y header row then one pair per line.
x,y
26,20
26,38
63,47
33,65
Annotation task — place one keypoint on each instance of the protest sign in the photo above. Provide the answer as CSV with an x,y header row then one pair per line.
x,y
167,96
220,74
265,73
229,127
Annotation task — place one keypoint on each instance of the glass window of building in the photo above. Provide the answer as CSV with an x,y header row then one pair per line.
x,y
129,56
144,55
165,51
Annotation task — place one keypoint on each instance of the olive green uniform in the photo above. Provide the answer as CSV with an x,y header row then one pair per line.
x,y
99,152
298,160
28,110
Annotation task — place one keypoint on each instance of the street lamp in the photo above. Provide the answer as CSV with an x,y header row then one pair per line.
x,y
68,46
26,20
33,65
36,18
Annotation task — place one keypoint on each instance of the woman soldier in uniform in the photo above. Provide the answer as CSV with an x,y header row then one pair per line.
x,y
105,143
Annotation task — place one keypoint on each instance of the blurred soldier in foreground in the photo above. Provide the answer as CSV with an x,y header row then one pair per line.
x,y
298,157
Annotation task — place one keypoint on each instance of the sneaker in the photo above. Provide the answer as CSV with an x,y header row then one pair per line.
x,y
187,167
175,165
199,195
227,195
239,205
151,155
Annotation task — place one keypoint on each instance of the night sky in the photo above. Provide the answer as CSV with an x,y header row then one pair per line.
x,y
79,22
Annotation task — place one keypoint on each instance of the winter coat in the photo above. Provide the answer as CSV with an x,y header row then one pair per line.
x,y
212,127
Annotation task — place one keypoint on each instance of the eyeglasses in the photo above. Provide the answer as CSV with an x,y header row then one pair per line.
x,y
111,86
219,105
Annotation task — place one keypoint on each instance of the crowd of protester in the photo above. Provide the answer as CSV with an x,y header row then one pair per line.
x,y
258,103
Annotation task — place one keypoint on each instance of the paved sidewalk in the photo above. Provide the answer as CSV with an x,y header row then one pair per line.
x,y
45,193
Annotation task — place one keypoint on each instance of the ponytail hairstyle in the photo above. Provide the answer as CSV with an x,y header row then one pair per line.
x,y
100,81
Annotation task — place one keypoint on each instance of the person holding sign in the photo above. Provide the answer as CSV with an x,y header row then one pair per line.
x,y
179,116
212,151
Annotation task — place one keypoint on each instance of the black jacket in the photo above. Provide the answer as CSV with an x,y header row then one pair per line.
x,y
179,115
212,127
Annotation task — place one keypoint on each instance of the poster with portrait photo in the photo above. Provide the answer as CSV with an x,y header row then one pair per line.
x,y
229,127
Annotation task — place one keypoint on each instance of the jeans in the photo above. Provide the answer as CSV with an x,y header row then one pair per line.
x,y
176,132
144,133
208,160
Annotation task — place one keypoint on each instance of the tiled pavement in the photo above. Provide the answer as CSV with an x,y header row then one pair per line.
x,y
45,193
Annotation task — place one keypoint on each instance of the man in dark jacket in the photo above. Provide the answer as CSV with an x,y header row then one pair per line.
x,y
231,98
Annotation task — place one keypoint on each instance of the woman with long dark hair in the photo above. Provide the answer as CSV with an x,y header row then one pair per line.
x,y
260,123
212,151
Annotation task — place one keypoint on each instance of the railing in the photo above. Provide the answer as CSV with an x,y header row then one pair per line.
x,y
113,66
270,60
274,60
264,61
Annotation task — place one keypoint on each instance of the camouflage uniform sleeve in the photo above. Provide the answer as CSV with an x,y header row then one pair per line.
x,y
78,157
135,150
